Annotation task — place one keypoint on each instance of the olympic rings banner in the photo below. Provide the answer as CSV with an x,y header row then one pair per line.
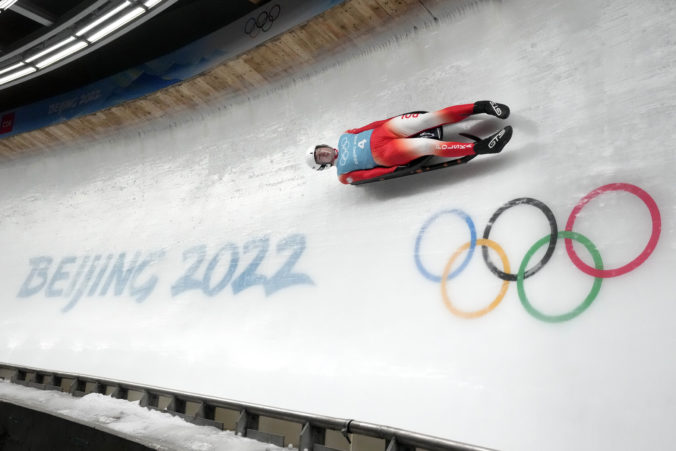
x,y
263,21
598,271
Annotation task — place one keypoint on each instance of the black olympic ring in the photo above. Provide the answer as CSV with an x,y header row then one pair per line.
x,y
552,240
262,22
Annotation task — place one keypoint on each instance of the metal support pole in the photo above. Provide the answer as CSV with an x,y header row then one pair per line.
x,y
143,402
310,436
246,422
393,445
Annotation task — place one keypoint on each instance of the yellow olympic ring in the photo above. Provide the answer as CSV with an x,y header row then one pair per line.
x,y
503,290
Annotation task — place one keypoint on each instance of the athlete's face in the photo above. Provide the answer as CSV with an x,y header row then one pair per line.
x,y
325,155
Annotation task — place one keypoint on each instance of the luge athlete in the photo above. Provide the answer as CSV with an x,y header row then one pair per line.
x,y
380,147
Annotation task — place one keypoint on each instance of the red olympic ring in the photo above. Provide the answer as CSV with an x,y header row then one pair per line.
x,y
650,247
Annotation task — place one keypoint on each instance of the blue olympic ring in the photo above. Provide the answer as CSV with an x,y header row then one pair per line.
x,y
465,262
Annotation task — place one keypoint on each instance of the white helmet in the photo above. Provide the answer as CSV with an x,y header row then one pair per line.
x,y
310,158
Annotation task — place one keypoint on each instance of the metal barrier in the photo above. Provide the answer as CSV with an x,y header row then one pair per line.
x,y
313,427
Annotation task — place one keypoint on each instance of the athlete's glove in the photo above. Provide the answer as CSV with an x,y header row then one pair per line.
x,y
489,107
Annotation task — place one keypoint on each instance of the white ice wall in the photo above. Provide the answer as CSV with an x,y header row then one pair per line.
x,y
356,330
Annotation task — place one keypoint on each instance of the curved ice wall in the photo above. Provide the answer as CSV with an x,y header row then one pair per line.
x,y
200,253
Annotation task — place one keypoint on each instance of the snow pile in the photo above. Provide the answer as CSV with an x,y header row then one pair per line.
x,y
120,417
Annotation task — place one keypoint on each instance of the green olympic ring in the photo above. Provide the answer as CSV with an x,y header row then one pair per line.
x,y
596,287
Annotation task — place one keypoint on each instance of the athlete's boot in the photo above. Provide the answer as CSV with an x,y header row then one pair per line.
x,y
489,107
495,142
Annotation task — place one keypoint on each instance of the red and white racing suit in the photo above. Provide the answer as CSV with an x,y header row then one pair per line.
x,y
392,147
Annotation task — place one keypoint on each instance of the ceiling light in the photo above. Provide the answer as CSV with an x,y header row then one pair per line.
x,y
15,75
7,69
50,49
116,24
103,18
6,4
151,3
62,54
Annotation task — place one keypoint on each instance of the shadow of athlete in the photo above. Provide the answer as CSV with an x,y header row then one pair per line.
x,y
380,147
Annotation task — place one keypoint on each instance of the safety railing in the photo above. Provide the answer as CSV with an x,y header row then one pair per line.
x,y
205,410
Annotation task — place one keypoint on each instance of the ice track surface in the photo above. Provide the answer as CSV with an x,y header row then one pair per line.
x,y
199,253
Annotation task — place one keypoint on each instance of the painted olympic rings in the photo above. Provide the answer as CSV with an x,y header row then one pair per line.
x,y
587,301
650,247
472,231
503,290
262,22
550,240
